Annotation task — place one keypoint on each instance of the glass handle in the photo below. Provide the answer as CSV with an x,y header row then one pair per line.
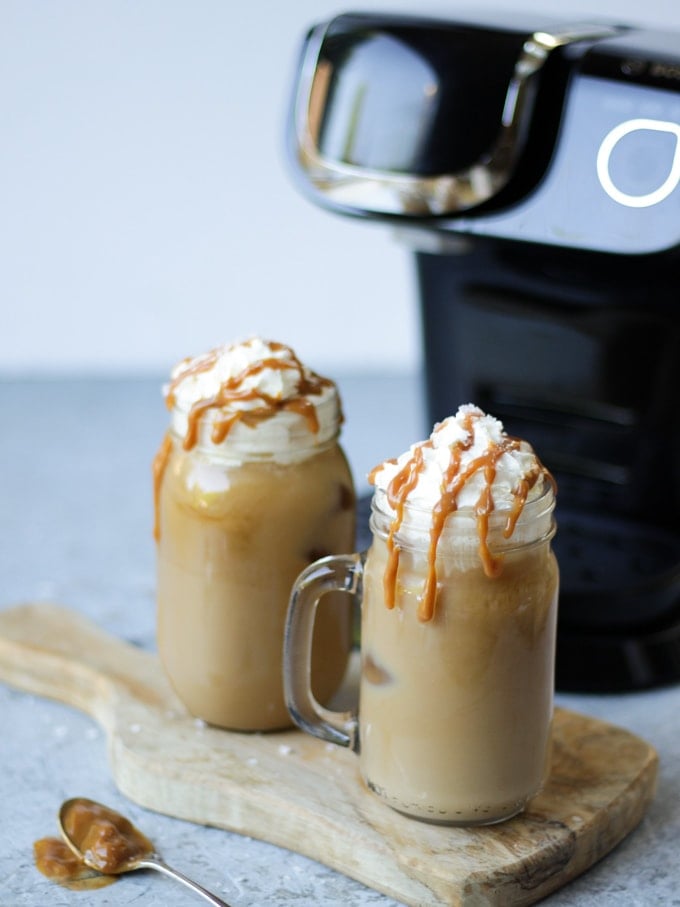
x,y
338,573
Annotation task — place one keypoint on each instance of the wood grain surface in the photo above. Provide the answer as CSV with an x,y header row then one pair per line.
x,y
299,793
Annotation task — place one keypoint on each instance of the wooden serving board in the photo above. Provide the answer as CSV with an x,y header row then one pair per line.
x,y
302,794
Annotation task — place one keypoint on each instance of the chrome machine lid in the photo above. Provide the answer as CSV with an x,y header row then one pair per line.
x,y
440,131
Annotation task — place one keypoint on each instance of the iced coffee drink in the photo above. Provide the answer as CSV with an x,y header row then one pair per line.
x,y
459,601
460,596
251,486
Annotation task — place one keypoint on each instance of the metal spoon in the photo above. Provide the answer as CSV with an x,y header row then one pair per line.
x,y
108,842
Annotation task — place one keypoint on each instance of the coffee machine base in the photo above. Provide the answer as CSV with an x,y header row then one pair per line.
x,y
619,628
609,663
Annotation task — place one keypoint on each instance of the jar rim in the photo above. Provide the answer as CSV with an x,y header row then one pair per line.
x,y
241,451
535,525
283,435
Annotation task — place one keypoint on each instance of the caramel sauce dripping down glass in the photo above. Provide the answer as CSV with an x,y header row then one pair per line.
x,y
230,397
232,391
454,480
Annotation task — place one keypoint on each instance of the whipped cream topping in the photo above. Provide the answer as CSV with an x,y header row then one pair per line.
x,y
470,437
468,467
255,397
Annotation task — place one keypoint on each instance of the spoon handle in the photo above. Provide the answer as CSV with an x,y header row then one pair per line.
x,y
155,862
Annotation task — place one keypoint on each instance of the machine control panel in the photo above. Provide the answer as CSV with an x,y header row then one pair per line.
x,y
614,182
638,162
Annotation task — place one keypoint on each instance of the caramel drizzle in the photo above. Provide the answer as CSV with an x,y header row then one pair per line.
x,y
453,481
397,492
230,392
160,462
191,367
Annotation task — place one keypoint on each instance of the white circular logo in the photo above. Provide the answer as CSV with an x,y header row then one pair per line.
x,y
610,142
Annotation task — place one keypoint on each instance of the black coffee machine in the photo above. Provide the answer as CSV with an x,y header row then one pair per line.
x,y
533,166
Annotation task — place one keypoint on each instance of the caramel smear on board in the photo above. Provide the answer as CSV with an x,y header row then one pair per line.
x,y
454,479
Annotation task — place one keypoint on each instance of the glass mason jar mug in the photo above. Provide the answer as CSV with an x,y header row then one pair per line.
x,y
236,523
455,696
